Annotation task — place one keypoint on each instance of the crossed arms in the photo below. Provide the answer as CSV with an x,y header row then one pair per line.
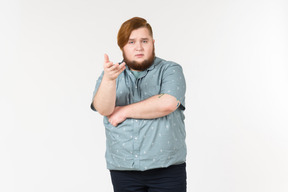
x,y
153,107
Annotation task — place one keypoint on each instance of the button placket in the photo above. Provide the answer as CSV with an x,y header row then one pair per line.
x,y
136,148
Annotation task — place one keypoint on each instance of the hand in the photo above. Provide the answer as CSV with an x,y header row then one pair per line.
x,y
118,116
112,71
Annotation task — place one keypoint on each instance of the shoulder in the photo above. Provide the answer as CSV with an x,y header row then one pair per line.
x,y
164,65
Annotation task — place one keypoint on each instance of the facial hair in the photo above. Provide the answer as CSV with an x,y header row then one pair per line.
x,y
142,65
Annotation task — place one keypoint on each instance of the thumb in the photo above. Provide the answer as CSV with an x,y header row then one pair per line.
x,y
106,58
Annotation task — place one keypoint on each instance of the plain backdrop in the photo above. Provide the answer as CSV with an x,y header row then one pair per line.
x,y
234,56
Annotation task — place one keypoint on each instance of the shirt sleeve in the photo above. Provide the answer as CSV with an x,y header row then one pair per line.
x,y
95,90
173,83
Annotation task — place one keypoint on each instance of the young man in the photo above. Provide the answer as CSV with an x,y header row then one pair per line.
x,y
142,100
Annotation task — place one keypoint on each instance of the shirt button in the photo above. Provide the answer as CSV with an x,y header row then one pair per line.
x,y
136,87
136,156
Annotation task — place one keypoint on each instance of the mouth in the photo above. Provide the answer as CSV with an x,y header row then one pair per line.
x,y
139,55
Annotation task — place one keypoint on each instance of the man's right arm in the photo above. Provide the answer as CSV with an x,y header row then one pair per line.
x,y
105,97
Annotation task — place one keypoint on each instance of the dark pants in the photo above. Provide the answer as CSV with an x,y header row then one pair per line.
x,y
171,179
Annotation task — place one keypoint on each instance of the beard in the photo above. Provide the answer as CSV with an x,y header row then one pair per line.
x,y
140,66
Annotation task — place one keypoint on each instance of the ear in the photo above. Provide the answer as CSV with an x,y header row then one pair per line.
x,y
153,40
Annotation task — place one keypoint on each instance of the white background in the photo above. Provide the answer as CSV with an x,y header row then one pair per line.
x,y
234,55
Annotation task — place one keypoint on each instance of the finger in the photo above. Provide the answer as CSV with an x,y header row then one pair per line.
x,y
121,67
113,123
108,64
122,64
116,67
106,58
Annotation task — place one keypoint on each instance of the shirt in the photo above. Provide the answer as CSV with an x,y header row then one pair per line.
x,y
142,144
137,73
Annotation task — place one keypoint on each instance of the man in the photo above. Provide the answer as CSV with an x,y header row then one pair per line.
x,y
142,100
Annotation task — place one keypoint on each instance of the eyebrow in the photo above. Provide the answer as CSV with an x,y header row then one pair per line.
x,y
140,39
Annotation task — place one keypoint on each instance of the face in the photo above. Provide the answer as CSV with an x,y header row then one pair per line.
x,y
139,53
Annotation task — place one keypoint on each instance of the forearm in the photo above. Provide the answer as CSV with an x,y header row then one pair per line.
x,y
153,107
104,100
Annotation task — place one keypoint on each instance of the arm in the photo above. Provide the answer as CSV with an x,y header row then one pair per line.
x,y
104,99
151,108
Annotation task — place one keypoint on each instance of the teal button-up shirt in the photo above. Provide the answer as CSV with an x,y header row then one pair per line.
x,y
142,144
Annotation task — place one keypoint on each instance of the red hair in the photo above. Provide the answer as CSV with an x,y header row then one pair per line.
x,y
128,26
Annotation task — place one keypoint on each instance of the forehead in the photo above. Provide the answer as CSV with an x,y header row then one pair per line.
x,y
142,32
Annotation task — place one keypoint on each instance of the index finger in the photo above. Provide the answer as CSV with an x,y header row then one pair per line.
x,y
106,58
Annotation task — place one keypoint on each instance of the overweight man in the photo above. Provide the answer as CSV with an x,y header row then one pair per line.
x,y
142,100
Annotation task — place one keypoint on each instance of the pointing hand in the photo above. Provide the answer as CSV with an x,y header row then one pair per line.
x,y
111,70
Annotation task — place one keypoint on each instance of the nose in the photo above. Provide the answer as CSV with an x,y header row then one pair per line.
x,y
139,46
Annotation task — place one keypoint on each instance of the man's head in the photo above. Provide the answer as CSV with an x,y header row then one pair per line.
x,y
135,39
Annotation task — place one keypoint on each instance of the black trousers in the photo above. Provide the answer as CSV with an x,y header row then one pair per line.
x,y
171,179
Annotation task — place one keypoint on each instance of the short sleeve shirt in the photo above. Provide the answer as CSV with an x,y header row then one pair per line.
x,y
142,144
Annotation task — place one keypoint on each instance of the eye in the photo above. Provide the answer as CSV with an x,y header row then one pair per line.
x,y
130,42
145,41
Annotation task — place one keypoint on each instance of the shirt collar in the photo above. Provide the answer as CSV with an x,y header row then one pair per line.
x,y
155,62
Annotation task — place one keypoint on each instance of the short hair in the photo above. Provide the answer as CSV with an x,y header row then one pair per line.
x,y
128,26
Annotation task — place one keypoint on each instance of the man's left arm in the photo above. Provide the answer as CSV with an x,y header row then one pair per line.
x,y
151,108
